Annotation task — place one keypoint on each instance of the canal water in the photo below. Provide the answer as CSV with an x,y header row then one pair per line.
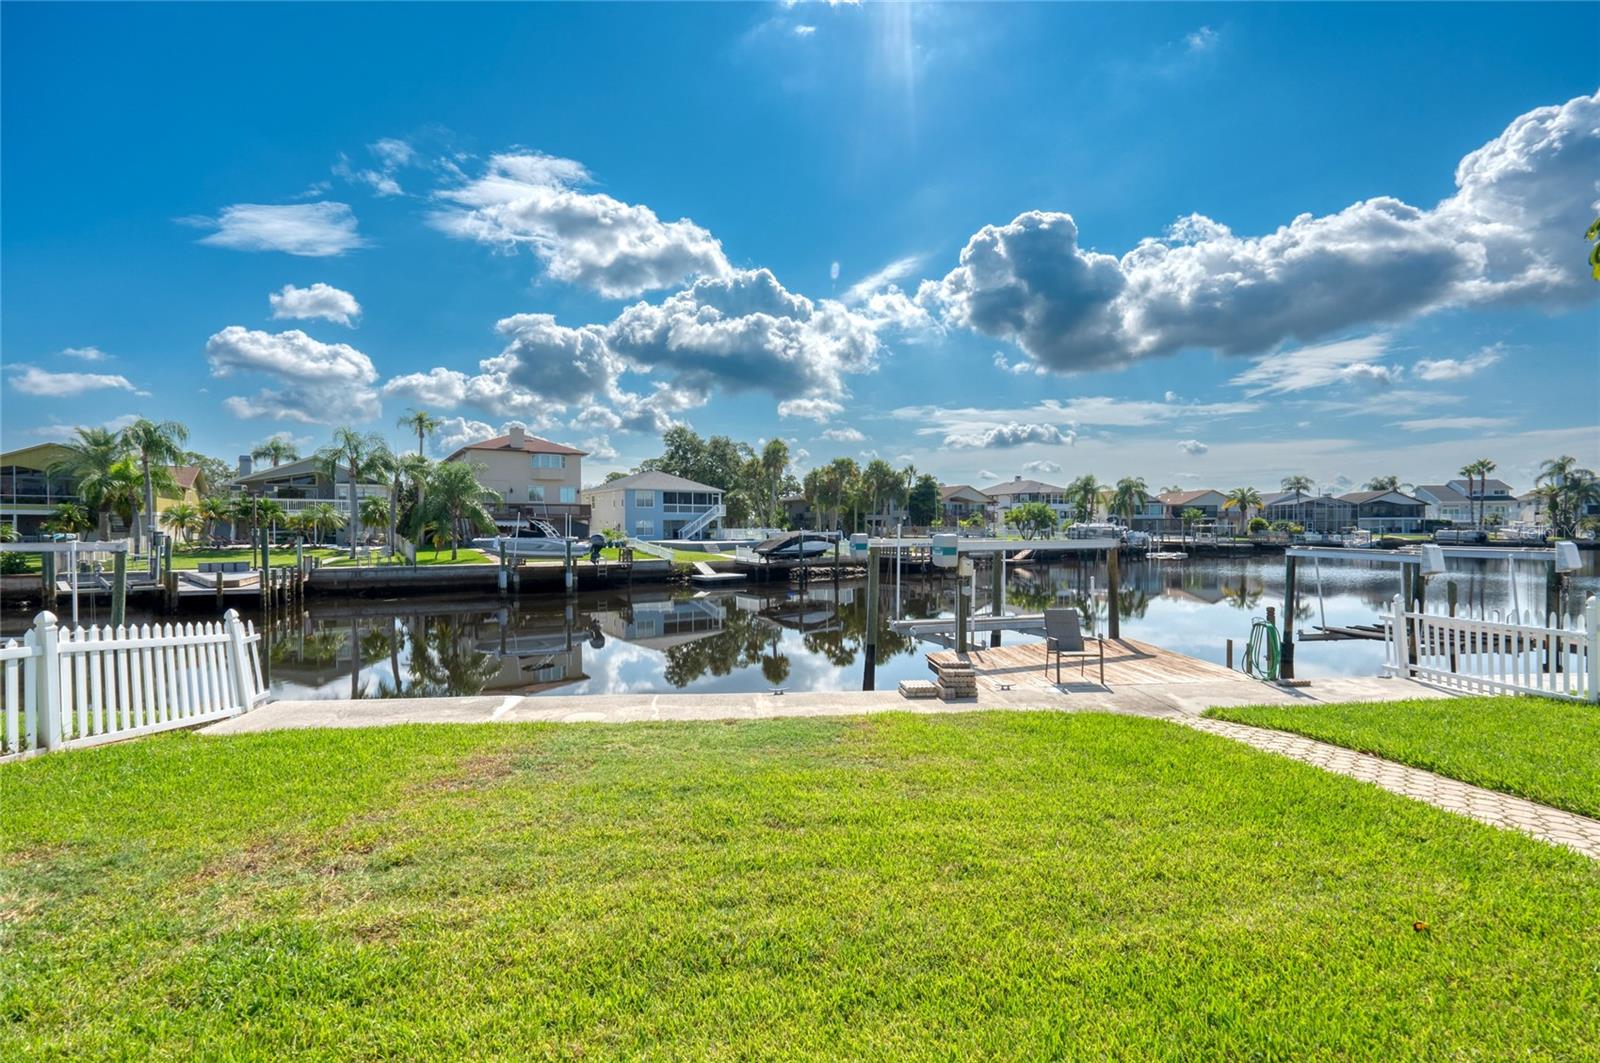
x,y
761,637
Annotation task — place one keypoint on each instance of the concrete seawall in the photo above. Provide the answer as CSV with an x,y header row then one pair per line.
x,y
434,579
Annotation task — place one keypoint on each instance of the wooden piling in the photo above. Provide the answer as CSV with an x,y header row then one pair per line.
x,y
1290,601
119,588
1450,604
869,668
998,593
1113,596
1230,655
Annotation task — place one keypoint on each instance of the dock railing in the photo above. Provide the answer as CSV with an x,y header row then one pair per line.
x,y
68,687
1495,653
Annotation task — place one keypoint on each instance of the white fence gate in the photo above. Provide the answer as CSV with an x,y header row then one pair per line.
x,y
1495,654
70,687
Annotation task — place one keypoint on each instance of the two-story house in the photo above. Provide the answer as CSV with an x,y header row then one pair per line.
x,y
1016,491
31,490
1164,512
1387,511
656,505
1466,501
1323,514
957,502
535,479
299,485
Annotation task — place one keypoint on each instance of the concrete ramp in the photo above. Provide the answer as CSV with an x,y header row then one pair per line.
x,y
704,573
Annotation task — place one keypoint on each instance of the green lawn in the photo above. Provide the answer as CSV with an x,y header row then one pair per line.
x,y
191,557
464,556
1538,748
981,885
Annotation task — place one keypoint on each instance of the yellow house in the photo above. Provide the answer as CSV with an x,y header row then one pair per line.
x,y
30,493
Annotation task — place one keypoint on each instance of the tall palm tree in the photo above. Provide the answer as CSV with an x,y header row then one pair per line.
x,y
423,423
1297,483
1244,499
155,445
275,450
185,520
1388,483
456,502
1130,497
774,460
360,456
89,463
1084,494
1485,467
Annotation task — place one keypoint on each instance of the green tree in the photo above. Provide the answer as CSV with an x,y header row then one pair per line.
x,y
275,450
71,519
1032,518
90,463
1130,497
1244,499
923,505
360,457
155,445
213,510
1084,495
774,463
456,503
1387,483
1566,490
1297,482
183,520
320,517
1593,236
1189,517
271,512
423,423
375,511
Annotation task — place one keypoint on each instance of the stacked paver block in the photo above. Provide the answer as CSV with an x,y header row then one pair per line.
x,y
956,679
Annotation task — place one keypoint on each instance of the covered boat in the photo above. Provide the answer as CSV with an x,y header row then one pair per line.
x,y
795,544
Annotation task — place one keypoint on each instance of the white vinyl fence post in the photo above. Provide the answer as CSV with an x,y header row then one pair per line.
x,y
1402,656
238,660
1591,646
47,674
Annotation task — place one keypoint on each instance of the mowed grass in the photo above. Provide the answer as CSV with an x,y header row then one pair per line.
x,y
1539,748
1001,885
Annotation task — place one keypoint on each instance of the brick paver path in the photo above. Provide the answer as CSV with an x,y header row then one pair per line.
x,y
1452,795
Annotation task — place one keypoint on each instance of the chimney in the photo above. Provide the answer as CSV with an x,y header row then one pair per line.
x,y
1016,479
519,437
246,465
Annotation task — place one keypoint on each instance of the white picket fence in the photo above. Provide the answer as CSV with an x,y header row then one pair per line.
x,y
1493,653
71,687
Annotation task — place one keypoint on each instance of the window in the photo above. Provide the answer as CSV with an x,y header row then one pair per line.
x,y
644,528
569,494
644,499
535,493
549,461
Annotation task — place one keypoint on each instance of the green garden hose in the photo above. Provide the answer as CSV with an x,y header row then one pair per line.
x,y
1261,655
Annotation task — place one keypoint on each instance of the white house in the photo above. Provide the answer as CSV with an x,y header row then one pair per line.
x,y
656,505
1017,491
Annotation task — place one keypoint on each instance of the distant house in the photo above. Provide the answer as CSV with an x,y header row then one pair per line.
x,y
957,502
656,505
299,485
1387,511
1164,512
535,479
797,509
1016,491
30,493
1465,502
1323,514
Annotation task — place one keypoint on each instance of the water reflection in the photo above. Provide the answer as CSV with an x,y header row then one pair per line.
x,y
758,638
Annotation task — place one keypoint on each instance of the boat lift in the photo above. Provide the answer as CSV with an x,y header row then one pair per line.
x,y
1414,569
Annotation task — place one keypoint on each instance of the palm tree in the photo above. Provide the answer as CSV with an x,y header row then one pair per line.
x,y
155,445
185,520
89,464
361,456
214,509
774,460
1244,499
1566,491
1084,494
1297,483
275,450
421,422
120,493
1485,467
1385,483
71,518
375,512
1130,497
323,515
271,512
456,502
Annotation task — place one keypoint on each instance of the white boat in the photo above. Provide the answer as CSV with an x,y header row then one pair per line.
x,y
1167,555
539,539
795,544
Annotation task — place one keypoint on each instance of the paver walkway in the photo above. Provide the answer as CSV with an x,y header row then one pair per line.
x,y
1487,806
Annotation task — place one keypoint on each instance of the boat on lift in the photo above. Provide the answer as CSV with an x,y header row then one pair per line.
x,y
539,539
795,545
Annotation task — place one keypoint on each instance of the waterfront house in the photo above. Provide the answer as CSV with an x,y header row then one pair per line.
x,y
1016,491
957,502
796,510
1323,514
1164,512
299,485
1465,501
656,505
535,478
1387,511
30,493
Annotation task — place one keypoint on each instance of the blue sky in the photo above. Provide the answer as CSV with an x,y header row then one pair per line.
x,y
1206,245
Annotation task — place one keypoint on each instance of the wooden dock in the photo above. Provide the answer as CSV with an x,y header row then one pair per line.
x,y
1128,663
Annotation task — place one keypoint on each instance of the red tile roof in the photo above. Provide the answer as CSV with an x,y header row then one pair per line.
x,y
530,443
185,475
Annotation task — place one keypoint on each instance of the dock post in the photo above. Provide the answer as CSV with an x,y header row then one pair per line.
x,y
1113,597
962,607
119,588
1230,655
566,569
998,593
47,571
869,669
501,576
1286,650
219,576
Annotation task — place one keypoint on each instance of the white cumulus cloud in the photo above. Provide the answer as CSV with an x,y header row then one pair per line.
x,y
843,435
1457,368
318,301
1012,434
1192,446
31,380
318,383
